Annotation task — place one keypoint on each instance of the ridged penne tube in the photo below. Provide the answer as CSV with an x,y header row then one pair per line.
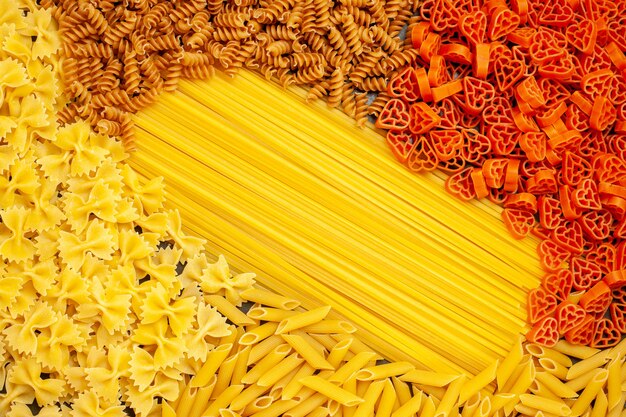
x,y
258,405
553,368
484,408
366,408
186,401
261,349
224,375
544,352
266,364
338,352
510,362
258,334
201,400
477,383
357,345
539,389
319,412
434,379
351,367
245,397
214,360
241,365
276,408
450,397
306,351
589,393
411,407
471,404
228,310
276,390
575,351
580,381
384,371
292,388
269,298
270,314
498,401
313,341
387,400
330,326
614,382
555,385
600,405
304,319
308,405
331,391
521,383
222,401
547,405
283,368
587,365
325,340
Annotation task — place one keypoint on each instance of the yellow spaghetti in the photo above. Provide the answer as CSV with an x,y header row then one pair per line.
x,y
323,213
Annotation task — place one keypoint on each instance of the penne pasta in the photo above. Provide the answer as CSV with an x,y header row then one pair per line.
x,y
434,379
332,391
269,298
387,400
294,386
510,362
338,353
276,409
284,367
247,396
403,391
258,405
429,408
373,392
241,366
384,371
546,405
470,405
553,368
351,367
258,334
304,319
270,314
544,352
614,382
600,405
451,397
167,410
307,352
590,392
228,310
214,360
222,401
479,382
261,349
330,326
409,408
484,409
319,412
555,385
588,365
266,364
186,401
575,351
201,400
307,406
224,375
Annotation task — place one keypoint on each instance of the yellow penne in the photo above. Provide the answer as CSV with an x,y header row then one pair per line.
x,y
258,334
247,396
614,382
167,410
544,352
319,412
330,326
269,298
580,381
276,390
521,383
498,401
600,405
224,375
539,389
307,352
276,408
304,319
266,364
411,407
510,362
546,405
292,388
258,405
284,367
590,392
575,351
351,367
587,365
471,404
214,360
228,310
553,368
307,406
618,351
429,407
226,412
477,383
484,409
434,379
241,365
555,385
526,370
450,397
326,340
618,410
201,400
403,390
331,390
261,349
270,314
436,393
374,390
384,371
338,352
222,401
387,400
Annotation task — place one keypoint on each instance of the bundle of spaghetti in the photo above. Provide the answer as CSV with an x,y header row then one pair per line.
x,y
348,226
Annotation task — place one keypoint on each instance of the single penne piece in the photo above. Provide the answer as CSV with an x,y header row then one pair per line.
x,y
202,398
357,346
284,367
411,407
403,391
429,407
276,390
303,319
227,412
510,362
335,408
373,392
544,404
484,408
521,385
580,382
222,401
241,366
233,337
276,409
270,314
332,391
575,351
384,371
306,406
214,360
436,393
553,368
247,396
450,397
600,405
257,405
387,400
258,334
186,401
477,383
544,352
319,412
520,368
555,385
307,352
260,350
590,392
330,326
292,388
539,389
338,352
614,382
311,341
266,364
587,365
325,340
498,401
224,375
434,379
471,404
269,298
229,311
352,366
618,410
361,387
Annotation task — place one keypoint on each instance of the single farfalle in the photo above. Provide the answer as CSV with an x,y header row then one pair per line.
x,y
8,154
15,245
20,180
157,337
190,245
148,197
28,372
55,343
97,240
110,306
22,332
15,44
178,313
45,213
105,380
101,203
11,287
217,279
108,172
209,327
88,404
41,275
12,75
30,116
143,402
162,273
43,28
68,291
134,246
